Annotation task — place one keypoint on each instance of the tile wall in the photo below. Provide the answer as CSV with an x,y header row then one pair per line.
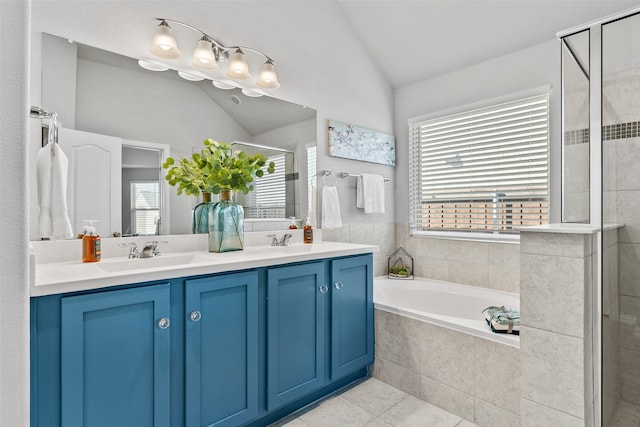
x,y
381,234
556,276
485,264
621,204
471,377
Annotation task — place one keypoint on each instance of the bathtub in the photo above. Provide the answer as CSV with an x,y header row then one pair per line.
x,y
445,304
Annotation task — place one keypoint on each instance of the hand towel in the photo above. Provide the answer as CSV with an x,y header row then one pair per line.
x,y
51,173
331,217
370,193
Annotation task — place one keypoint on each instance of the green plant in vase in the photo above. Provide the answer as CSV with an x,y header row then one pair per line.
x,y
218,170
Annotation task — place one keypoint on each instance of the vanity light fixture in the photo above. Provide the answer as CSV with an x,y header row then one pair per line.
x,y
209,53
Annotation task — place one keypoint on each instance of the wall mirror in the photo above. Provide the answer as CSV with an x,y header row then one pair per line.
x,y
155,114
575,127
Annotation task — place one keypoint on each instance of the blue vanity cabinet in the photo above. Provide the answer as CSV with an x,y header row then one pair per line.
x,y
296,299
351,315
114,356
221,350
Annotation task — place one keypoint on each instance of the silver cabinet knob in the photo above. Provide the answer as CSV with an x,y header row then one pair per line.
x,y
195,316
338,285
164,323
324,289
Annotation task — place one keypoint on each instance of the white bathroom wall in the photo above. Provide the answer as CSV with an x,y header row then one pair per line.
x,y
14,301
329,71
493,265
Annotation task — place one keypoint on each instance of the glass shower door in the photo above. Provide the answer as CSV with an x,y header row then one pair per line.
x,y
621,204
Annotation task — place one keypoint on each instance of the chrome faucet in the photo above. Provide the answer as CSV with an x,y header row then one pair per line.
x,y
284,241
152,249
133,251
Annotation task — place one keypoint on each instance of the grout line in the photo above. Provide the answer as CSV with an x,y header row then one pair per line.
x,y
552,408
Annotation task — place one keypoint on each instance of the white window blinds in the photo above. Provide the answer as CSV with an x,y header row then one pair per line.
x,y
484,170
311,178
145,207
269,199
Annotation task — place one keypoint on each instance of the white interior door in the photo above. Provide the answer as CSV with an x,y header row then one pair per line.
x,y
95,175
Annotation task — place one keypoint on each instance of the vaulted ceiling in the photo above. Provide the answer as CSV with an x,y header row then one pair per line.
x,y
415,40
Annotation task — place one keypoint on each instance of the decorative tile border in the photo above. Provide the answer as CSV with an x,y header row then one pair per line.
x,y
620,131
574,137
609,132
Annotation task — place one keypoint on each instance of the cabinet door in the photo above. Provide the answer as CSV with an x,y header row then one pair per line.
x,y
351,315
295,335
115,358
221,350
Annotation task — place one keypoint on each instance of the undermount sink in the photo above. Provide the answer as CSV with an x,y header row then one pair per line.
x,y
291,249
115,265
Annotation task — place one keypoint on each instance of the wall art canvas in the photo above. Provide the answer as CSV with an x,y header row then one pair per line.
x,y
354,142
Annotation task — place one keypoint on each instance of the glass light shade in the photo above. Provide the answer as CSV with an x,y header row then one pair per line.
x,y
190,76
203,56
268,78
222,85
152,66
238,68
252,93
164,44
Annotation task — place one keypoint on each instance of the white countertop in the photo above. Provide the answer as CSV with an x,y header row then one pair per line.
x,y
59,277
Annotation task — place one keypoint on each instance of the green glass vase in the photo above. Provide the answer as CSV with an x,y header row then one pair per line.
x,y
226,225
200,223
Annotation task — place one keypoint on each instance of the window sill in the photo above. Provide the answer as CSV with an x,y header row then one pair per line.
x,y
471,237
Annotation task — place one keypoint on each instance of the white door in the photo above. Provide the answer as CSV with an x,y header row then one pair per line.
x,y
95,175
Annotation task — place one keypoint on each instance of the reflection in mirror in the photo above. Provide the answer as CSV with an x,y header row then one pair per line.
x,y
575,127
117,98
273,195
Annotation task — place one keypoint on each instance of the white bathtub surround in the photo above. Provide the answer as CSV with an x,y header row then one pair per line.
x,y
557,281
471,376
493,265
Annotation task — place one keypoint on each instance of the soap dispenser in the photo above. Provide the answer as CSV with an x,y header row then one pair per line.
x,y
91,247
293,225
308,232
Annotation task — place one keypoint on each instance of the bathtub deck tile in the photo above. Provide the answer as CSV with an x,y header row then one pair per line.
x,y
397,339
413,412
454,401
440,350
397,376
497,372
374,396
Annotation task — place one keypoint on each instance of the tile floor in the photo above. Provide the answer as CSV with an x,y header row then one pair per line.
x,y
373,403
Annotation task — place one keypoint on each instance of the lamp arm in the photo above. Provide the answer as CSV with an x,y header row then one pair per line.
x,y
211,39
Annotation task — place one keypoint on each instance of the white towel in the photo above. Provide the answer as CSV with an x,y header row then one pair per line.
x,y
331,217
370,193
52,166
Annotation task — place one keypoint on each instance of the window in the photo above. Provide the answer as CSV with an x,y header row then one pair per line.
x,y
269,199
145,207
481,171
311,178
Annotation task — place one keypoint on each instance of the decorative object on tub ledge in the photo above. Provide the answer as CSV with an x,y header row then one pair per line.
x,y
218,169
358,143
401,265
502,320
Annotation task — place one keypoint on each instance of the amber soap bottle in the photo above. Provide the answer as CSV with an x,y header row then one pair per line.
x,y
308,232
91,251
